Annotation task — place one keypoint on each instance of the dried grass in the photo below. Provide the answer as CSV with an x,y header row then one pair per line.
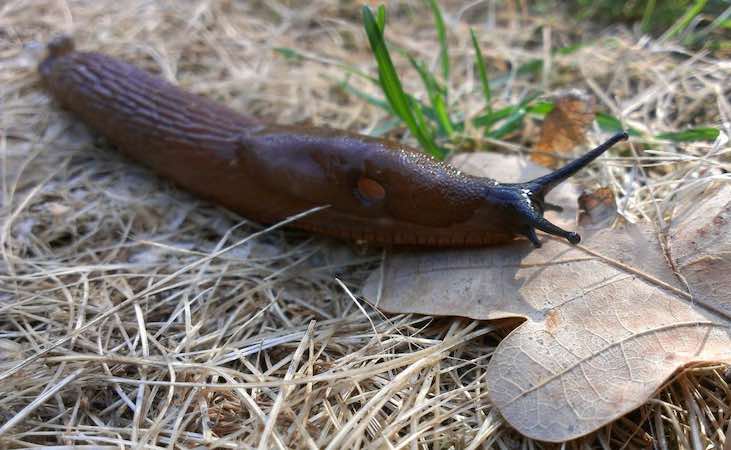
x,y
132,314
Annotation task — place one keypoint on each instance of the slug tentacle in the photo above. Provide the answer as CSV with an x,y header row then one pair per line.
x,y
547,227
543,185
535,191
530,233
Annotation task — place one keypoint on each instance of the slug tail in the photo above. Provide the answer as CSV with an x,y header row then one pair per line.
x,y
57,47
543,185
60,45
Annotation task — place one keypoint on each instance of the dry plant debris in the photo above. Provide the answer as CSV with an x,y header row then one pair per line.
x,y
597,208
132,314
564,127
608,321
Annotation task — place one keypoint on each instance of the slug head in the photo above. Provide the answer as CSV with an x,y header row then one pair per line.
x,y
527,200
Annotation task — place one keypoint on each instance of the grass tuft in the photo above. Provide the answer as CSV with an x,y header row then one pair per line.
x,y
410,112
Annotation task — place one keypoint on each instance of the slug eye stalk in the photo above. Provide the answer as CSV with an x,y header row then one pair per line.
x,y
537,189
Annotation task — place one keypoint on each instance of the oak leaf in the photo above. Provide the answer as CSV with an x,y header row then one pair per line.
x,y
607,321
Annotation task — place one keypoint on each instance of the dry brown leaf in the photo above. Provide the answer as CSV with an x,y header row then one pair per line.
x,y
699,245
608,321
564,127
597,208
429,276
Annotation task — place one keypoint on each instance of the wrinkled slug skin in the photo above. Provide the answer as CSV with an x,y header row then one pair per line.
x,y
378,191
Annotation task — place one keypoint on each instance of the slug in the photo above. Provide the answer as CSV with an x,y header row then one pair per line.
x,y
378,191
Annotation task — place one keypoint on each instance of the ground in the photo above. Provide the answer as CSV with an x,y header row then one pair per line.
x,y
133,314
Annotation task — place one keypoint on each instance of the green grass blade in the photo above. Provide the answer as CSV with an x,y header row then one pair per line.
x,y
381,17
430,113
569,49
292,54
386,126
482,71
512,123
611,124
289,54
422,123
347,87
608,122
540,108
445,123
391,85
436,97
486,120
389,80
693,134
532,67
442,36
516,115
646,25
431,84
682,23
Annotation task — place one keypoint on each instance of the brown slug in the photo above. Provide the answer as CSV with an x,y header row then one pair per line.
x,y
378,191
